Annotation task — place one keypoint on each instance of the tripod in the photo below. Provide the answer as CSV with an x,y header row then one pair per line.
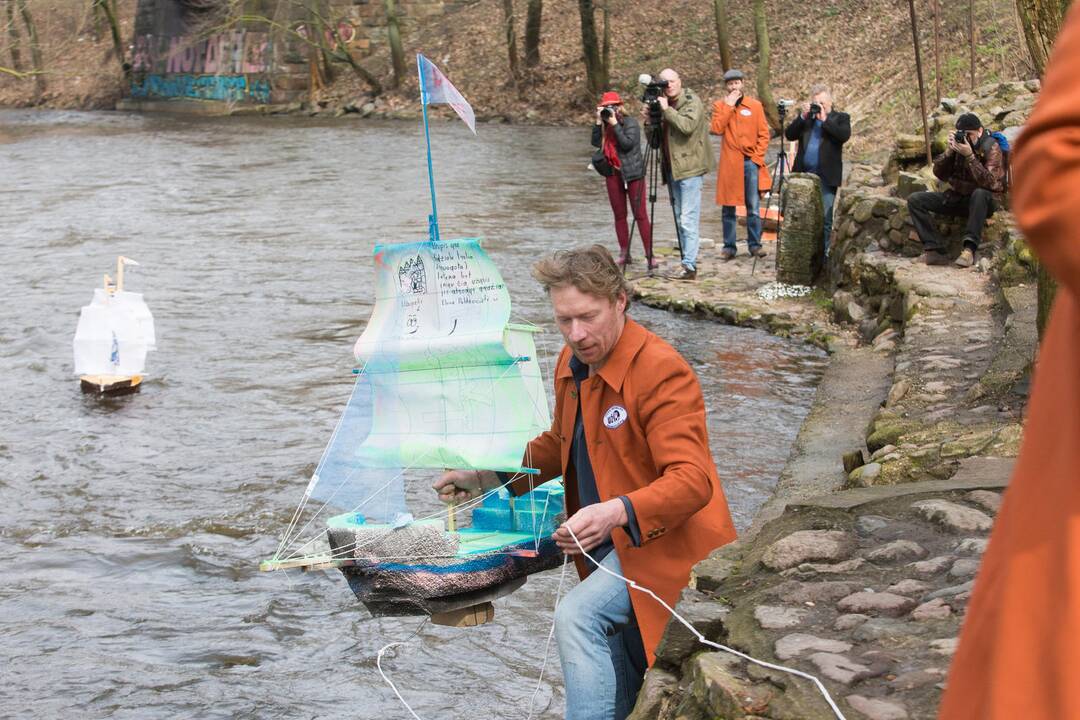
x,y
777,185
654,171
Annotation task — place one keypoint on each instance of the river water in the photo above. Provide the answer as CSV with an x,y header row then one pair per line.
x,y
132,528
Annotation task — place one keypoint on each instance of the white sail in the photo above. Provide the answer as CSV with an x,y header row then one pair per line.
x,y
115,332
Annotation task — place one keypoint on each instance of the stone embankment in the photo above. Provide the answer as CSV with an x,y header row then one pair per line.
x,y
859,570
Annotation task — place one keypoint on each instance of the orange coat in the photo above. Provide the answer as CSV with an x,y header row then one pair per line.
x,y
1020,645
658,457
745,134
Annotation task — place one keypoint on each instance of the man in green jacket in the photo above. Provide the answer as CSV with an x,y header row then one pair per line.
x,y
688,157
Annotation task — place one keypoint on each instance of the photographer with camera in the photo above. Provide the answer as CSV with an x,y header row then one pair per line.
x,y
742,177
821,132
686,157
619,138
974,168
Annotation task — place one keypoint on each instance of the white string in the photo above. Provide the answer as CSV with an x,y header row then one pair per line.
x,y
701,638
551,634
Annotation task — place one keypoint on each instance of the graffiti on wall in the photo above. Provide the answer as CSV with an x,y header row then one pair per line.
x,y
229,66
226,88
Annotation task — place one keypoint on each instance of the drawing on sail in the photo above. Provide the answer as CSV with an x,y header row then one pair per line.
x,y
445,381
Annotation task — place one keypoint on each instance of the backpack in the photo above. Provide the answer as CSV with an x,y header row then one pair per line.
x,y
1003,144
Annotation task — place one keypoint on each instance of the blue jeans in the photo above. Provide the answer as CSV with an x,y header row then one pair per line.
x,y
828,199
753,211
603,662
686,199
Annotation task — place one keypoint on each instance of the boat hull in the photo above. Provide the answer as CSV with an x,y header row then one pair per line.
x,y
110,385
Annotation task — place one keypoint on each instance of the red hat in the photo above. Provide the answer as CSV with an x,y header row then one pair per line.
x,y
611,98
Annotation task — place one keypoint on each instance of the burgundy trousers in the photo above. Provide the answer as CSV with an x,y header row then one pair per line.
x,y
618,194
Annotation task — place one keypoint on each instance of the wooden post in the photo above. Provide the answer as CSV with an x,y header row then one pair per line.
x,y
120,273
451,518
971,38
922,90
937,49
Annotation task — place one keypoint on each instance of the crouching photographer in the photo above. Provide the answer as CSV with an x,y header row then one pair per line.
x,y
621,163
974,167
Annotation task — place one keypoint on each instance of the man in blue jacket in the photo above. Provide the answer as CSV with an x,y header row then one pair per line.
x,y
821,132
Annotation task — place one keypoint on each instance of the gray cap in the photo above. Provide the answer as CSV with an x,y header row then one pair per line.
x,y
734,74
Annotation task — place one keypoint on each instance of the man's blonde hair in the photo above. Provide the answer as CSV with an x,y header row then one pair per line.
x,y
591,270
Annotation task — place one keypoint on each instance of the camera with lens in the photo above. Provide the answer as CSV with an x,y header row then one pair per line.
x,y
605,114
654,88
961,136
782,107
815,109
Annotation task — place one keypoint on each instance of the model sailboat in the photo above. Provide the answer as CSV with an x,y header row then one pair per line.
x,y
445,381
114,334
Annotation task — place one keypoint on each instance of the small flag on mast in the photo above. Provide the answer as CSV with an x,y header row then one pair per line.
x,y
436,88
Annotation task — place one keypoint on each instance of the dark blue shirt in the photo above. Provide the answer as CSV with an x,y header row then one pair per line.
x,y
588,494
811,162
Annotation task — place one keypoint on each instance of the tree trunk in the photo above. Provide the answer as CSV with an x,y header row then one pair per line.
x,y
532,32
35,48
595,77
720,11
761,31
13,37
105,9
607,44
393,33
1041,20
509,23
1047,290
919,77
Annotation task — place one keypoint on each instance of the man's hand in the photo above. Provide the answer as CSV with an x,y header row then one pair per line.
x,y
592,525
732,97
459,485
964,148
663,102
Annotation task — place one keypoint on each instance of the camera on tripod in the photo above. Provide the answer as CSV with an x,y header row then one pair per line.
x,y
782,107
654,88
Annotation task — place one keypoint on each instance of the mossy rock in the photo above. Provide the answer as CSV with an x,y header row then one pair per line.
x,y
888,431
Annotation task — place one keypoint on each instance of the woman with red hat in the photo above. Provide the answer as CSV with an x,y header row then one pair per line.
x,y
619,137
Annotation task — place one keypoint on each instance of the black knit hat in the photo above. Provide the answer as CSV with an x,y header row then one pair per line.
x,y
968,121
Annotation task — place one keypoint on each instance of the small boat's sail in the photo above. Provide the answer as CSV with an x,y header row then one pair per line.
x,y
114,334
446,381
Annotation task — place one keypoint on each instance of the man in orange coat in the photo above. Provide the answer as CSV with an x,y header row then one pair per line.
x,y
742,174
1020,644
644,499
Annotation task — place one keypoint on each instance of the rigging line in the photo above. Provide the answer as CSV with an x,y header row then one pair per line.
x,y
701,638
362,503
551,634
307,495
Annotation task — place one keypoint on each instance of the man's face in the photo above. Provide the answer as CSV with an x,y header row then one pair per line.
x,y
590,325
973,135
674,83
824,100
734,85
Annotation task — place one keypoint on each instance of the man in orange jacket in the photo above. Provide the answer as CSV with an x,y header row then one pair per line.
x,y
1019,645
740,120
644,499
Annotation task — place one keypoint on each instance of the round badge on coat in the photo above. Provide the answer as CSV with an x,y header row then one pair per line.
x,y
615,416
745,112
